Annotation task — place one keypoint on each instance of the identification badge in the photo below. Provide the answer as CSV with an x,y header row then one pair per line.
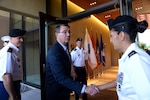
x,y
119,80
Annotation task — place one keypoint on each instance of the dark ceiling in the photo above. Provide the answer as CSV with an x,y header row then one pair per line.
x,y
104,14
86,4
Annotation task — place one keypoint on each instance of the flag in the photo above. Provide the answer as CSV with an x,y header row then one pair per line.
x,y
93,41
90,50
101,51
97,50
97,43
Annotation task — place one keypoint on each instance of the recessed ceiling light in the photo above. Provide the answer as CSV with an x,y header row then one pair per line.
x,y
93,3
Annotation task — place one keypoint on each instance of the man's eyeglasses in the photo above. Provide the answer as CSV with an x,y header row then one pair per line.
x,y
65,32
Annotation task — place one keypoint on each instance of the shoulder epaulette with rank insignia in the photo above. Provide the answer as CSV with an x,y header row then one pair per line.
x,y
75,49
132,53
9,50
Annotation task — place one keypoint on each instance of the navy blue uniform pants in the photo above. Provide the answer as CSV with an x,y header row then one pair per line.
x,y
82,78
3,93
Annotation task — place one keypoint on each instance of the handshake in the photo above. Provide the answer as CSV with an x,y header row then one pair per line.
x,y
92,90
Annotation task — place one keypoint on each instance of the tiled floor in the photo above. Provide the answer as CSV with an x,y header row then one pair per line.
x,y
104,77
30,93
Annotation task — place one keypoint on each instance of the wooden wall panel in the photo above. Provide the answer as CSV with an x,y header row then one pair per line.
x,y
141,6
141,10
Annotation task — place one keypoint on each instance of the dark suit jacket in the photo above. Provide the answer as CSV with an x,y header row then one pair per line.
x,y
58,79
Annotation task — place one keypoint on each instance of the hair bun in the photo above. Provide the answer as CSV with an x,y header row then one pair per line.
x,y
142,26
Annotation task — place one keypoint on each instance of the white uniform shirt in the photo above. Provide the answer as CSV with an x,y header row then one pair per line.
x,y
9,62
144,38
133,81
78,57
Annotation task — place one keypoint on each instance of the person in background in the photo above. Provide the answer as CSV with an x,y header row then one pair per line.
x,y
80,64
143,39
58,81
5,40
133,80
11,71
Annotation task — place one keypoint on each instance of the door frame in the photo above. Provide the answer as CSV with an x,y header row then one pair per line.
x,y
43,19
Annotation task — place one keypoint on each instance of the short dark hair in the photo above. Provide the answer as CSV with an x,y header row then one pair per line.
x,y
57,29
79,39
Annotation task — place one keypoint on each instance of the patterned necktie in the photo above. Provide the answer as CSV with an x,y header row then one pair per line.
x,y
68,53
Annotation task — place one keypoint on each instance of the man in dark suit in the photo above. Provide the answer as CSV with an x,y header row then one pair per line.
x,y
58,82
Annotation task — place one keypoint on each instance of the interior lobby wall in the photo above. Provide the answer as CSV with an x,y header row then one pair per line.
x,y
92,24
31,7
54,8
94,28
4,25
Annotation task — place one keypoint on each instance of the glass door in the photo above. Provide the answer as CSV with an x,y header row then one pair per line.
x,y
46,39
31,58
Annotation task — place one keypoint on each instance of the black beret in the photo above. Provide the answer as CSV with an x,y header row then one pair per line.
x,y
79,39
120,20
16,32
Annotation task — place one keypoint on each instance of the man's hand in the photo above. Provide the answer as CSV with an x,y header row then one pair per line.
x,y
73,73
92,90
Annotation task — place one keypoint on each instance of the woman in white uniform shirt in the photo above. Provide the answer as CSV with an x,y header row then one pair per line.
x,y
133,80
